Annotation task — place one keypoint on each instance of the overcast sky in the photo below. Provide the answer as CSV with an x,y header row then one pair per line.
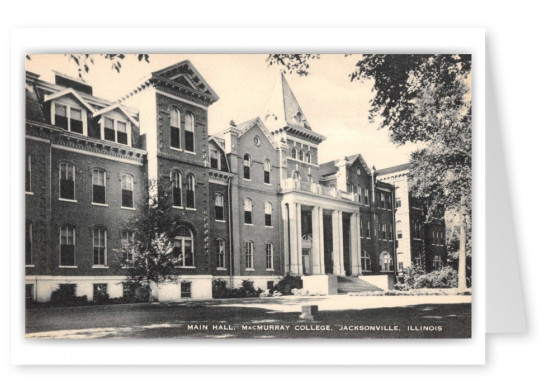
x,y
334,106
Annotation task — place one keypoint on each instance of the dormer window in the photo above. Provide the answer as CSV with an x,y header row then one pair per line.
x,y
115,130
214,159
69,118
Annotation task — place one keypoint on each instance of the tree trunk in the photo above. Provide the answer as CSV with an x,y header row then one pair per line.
x,y
462,267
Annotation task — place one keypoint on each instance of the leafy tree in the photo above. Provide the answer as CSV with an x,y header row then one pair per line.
x,y
85,61
154,257
424,99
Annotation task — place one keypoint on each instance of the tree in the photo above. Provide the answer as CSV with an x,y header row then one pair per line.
x,y
423,99
153,256
85,61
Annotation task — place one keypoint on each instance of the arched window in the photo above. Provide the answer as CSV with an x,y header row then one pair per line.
x,y
67,246
219,207
385,261
183,245
296,175
176,180
267,214
269,256
308,158
100,246
66,181
175,128
98,186
249,255
294,153
301,155
366,261
248,211
189,130
190,194
220,253
267,169
247,166
127,186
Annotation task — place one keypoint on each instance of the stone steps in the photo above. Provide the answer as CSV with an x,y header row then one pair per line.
x,y
354,284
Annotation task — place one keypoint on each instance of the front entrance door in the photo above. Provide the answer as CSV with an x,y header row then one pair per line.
x,y
306,261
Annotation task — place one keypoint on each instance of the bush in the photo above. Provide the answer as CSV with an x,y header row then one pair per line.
x,y
220,290
65,295
417,278
287,284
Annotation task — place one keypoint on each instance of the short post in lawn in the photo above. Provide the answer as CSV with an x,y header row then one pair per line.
x,y
308,312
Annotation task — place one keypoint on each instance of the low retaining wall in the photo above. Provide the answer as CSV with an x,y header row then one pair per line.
x,y
320,285
385,281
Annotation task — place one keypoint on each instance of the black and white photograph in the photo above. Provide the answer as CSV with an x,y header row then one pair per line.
x,y
248,196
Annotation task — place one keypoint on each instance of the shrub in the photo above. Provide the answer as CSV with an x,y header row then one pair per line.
x,y
65,295
220,290
287,284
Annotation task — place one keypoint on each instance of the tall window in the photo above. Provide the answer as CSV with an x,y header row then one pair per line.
x,y
301,155
385,261
122,132
183,245
267,169
175,128
189,130
366,196
267,214
127,184
219,207
220,253
294,153
66,181
67,245
247,166
368,230
190,193
176,180
28,174
28,244
109,129
269,256
418,260
248,211
127,246
100,247
388,201
214,158
249,254
98,186
362,232
383,232
366,261
68,118
308,157
381,200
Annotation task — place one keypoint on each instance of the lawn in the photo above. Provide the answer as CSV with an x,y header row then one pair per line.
x,y
244,319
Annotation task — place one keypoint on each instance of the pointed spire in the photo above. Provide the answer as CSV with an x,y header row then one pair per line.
x,y
293,113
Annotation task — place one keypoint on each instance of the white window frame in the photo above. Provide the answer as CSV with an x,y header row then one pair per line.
x,y
128,242
122,188
115,125
191,182
69,227
218,196
68,108
179,181
183,240
219,159
267,169
191,129
247,208
249,255
104,172
269,256
74,181
100,229
383,261
365,260
268,206
178,119
220,254
247,162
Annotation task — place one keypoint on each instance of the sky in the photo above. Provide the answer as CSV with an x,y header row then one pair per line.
x,y
333,105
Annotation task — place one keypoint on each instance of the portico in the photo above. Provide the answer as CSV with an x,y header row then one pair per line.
x,y
321,232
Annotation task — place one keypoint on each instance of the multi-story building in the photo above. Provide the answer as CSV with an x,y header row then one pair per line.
x,y
253,201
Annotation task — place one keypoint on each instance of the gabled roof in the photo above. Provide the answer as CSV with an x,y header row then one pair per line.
x,y
69,91
390,170
33,109
191,78
116,106
352,159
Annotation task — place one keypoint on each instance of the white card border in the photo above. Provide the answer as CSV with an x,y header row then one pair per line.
x,y
246,352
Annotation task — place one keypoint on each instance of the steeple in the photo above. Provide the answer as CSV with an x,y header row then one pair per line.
x,y
282,112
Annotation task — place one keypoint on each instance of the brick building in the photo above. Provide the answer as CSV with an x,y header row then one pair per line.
x,y
253,201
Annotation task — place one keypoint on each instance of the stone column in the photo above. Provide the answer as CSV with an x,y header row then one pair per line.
x,y
285,219
315,241
293,237
354,244
336,243
341,247
321,241
299,238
